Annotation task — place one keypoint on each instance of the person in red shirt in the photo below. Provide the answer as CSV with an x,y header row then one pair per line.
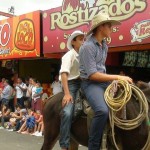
x,y
2,83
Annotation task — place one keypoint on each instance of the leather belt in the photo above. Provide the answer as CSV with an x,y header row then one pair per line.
x,y
84,79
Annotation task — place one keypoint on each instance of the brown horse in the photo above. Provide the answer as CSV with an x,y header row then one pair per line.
x,y
130,140
145,88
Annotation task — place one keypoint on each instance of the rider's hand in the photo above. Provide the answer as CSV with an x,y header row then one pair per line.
x,y
126,78
67,99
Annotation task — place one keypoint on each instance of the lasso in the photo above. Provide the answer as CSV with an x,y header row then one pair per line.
x,y
117,100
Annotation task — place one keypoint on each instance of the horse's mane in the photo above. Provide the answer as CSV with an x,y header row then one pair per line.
x,y
133,105
146,91
54,103
128,136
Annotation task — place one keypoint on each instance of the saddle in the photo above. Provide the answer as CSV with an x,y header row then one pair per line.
x,y
83,109
81,105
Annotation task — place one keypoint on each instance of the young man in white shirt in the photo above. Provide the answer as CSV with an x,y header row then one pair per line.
x,y
20,88
56,86
69,76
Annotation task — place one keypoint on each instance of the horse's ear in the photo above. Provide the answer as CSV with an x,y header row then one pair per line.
x,y
44,102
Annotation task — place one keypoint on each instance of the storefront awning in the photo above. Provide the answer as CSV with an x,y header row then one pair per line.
x,y
20,36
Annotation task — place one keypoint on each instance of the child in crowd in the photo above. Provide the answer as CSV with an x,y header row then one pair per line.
x,y
24,120
29,124
36,101
40,129
38,92
39,124
16,117
5,115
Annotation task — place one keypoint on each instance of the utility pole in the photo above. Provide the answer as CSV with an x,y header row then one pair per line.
x,y
10,12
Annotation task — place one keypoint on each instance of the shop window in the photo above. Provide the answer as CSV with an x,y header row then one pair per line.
x,y
142,59
148,63
130,59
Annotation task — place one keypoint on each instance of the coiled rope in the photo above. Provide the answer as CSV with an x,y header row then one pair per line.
x,y
117,95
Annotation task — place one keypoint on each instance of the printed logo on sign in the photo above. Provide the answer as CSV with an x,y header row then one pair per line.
x,y
4,34
24,37
4,38
140,31
75,13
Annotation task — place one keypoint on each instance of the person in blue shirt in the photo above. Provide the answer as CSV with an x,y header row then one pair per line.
x,y
92,57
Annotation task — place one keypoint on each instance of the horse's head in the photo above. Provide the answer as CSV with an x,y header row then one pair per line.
x,y
145,89
134,113
142,85
132,120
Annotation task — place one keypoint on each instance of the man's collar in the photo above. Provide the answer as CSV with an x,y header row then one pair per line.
x,y
75,52
96,42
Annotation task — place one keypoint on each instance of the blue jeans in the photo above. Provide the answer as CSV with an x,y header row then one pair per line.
x,y
94,93
20,102
5,101
4,119
67,114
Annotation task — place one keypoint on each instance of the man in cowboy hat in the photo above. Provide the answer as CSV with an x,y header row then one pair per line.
x,y
92,57
69,76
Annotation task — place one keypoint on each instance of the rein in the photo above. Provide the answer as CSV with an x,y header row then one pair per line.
x,y
117,95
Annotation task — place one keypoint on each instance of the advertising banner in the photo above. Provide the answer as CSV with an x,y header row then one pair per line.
x,y
59,23
20,36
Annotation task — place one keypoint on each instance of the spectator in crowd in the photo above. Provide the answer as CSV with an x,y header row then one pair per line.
x,y
38,126
29,93
16,117
5,115
20,91
27,81
122,73
40,129
56,86
2,84
24,120
36,96
6,93
11,100
31,122
14,78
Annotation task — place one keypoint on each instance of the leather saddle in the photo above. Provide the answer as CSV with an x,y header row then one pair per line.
x,y
81,105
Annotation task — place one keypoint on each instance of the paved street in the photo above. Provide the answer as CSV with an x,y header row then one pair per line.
x,y
14,141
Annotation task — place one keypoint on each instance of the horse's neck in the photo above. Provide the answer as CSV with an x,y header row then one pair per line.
x,y
147,94
144,85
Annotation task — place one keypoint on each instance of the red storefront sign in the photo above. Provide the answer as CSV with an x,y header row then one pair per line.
x,y
20,36
60,22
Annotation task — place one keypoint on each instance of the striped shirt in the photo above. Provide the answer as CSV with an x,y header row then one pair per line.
x,y
92,57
